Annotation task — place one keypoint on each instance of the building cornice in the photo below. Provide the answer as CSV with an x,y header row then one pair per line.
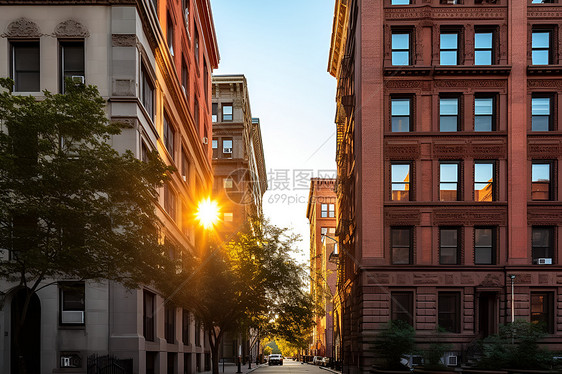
x,y
68,2
209,32
339,29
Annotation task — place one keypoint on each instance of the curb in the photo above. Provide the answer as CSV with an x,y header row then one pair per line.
x,y
330,370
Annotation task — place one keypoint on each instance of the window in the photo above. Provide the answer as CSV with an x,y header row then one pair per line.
x,y
542,241
228,183
185,6
400,2
170,34
144,152
448,114
215,146
215,109
25,66
148,316
448,181
169,136
196,112
327,210
228,217
170,201
185,79
206,81
147,93
227,112
540,54
484,119
72,62
450,2
185,322
72,303
449,311
449,48
484,246
400,180
227,148
400,48
449,249
542,310
541,120
400,113
543,1
402,307
540,181
169,323
483,48
484,188
401,245
185,166
197,333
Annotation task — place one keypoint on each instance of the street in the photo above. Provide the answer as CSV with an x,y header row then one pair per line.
x,y
290,366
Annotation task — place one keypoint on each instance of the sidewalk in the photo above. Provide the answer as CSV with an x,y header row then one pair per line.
x,y
230,368
330,370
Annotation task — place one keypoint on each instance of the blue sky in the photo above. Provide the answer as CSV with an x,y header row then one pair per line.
x,y
282,48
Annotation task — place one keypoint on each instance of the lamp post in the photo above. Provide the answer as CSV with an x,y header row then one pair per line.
x,y
512,277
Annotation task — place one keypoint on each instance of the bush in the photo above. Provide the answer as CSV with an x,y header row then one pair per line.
x,y
395,341
516,347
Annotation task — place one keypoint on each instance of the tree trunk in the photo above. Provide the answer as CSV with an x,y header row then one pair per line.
x,y
17,334
215,341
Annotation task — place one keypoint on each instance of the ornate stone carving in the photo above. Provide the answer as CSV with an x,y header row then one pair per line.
x,y
23,28
544,83
546,216
123,40
449,150
472,83
492,280
426,279
470,217
407,84
545,12
445,13
71,28
491,151
125,122
544,151
402,151
402,217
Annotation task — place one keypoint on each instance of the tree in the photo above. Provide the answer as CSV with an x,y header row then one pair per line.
x,y
395,341
247,283
71,207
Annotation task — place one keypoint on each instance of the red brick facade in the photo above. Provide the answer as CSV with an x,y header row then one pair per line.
x,y
446,245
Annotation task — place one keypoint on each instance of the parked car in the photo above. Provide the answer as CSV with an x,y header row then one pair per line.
x,y
275,359
326,361
317,360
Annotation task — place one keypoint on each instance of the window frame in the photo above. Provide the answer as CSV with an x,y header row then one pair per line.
x,y
149,330
214,112
457,116
493,183
491,49
548,298
169,323
147,92
224,116
457,247
394,50
493,116
551,109
408,186
492,247
185,327
457,50
64,288
409,116
169,136
549,183
170,202
455,310
457,182
548,250
63,45
394,245
14,45
227,154
398,309
549,49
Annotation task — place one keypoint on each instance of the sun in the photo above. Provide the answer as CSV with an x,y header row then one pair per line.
x,y
207,213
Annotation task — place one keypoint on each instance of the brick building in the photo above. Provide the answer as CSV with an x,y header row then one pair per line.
x,y
321,214
240,178
448,152
152,61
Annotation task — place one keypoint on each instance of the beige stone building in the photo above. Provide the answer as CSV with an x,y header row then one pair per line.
x,y
240,178
152,61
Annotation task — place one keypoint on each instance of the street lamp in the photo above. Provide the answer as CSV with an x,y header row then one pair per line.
x,y
512,277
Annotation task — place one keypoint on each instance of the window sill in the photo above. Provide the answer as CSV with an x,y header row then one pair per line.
x,y
472,70
544,69
72,327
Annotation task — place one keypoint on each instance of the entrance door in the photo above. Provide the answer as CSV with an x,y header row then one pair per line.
x,y
487,313
30,343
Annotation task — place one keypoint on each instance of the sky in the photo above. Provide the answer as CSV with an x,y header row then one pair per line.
x,y
282,49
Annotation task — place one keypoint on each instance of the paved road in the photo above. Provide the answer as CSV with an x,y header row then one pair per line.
x,y
291,367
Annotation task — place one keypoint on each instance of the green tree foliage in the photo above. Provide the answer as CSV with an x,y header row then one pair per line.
x,y
71,207
516,347
249,283
395,341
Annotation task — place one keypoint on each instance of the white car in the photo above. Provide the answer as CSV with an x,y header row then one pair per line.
x,y
317,360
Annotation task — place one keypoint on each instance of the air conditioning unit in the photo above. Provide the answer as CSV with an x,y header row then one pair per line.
x,y
227,150
72,316
543,261
205,140
78,79
452,361
184,178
